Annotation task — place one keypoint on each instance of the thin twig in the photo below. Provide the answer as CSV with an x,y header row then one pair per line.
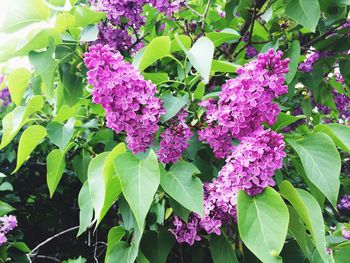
x,y
48,257
33,253
193,11
95,251
205,14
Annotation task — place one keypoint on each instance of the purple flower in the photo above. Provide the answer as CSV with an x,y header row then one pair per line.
x,y
186,232
345,233
8,223
251,52
174,140
344,203
129,100
245,102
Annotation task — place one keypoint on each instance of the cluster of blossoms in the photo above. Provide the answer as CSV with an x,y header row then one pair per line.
x,y
125,14
174,140
7,224
344,203
244,104
5,98
129,100
345,233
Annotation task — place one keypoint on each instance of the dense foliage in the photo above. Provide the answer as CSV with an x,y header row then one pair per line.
x,y
175,131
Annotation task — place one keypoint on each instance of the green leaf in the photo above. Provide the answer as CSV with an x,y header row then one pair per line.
x,y
96,182
59,134
157,245
21,13
139,181
5,208
283,120
158,48
86,208
156,78
226,35
185,40
321,162
115,234
56,164
81,164
85,15
38,39
294,54
223,66
15,120
30,138
21,246
181,185
172,105
112,187
305,12
340,134
179,210
221,250
72,84
199,92
310,212
18,81
263,223
342,255
45,65
298,230
202,63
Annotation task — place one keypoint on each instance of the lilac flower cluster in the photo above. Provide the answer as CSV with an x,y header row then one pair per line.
x,y
5,98
342,103
7,224
344,203
127,14
250,167
307,65
174,140
345,233
129,100
251,51
244,104
246,101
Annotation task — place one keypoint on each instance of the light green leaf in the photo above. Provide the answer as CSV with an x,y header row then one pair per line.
x,y
56,164
310,212
172,105
158,48
181,185
96,182
226,35
199,92
321,162
45,65
156,78
30,138
86,208
305,12
283,120
15,120
18,81
221,249
263,224
115,234
185,40
139,181
340,134
342,254
60,134
21,13
294,54
38,39
157,245
201,57
223,66
85,15
81,164
111,180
